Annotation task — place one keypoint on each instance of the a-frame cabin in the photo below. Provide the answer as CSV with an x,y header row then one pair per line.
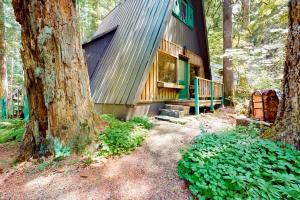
x,y
147,53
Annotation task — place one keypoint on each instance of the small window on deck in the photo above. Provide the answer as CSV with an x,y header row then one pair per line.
x,y
166,68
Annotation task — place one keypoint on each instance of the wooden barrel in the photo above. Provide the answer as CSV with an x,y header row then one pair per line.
x,y
265,105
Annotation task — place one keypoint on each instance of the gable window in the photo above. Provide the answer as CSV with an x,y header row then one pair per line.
x,y
183,10
167,68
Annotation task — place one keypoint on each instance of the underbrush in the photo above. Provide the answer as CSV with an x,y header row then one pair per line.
x,y
11,129
237,164
123,137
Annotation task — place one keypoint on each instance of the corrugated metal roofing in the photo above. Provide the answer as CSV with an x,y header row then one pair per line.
x,y
141,24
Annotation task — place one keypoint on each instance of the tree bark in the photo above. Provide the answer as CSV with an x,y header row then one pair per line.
x,y
3,78
227,35
246,13
287,125
56,78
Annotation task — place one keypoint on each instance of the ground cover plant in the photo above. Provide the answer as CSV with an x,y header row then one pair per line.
x,y
123,137
237,164
11,129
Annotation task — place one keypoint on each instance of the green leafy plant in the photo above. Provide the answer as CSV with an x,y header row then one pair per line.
x,y
60,151
11,129
237,164
142,121
122,137
44,165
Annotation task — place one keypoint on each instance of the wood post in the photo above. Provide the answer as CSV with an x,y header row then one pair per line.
x,y
212,108
196,91
3,108
26,109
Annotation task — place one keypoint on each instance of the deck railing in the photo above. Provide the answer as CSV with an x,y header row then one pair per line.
x,y
205,88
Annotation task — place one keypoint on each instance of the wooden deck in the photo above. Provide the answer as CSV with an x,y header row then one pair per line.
x,y
191,102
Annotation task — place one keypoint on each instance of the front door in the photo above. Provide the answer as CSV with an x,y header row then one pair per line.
x,y
183,78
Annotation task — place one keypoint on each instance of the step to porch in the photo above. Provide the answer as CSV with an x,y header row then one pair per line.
x,y
172,113
176,111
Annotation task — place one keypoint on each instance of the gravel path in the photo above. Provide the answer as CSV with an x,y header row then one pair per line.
x,y
148,173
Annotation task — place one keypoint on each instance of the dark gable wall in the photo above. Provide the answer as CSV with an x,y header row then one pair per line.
x,y
195,40
95,50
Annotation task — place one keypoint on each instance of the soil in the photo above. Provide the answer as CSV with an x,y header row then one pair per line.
x,y
150,172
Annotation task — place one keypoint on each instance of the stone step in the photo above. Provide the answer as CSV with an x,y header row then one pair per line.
x,y
186,109
172,120
172,113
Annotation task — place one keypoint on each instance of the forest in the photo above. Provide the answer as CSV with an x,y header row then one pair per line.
x,y
104,99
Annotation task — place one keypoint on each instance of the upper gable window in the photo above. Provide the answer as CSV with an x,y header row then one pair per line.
x,y
184,11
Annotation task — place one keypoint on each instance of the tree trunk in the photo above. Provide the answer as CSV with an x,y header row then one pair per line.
x,y
56,78
246,13
3,78
287,125
227,35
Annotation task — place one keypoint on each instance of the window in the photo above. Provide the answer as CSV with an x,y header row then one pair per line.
x,y
167,68
183,10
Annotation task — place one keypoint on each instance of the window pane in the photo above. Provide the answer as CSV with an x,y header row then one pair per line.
x,y
166,68
181,71
183,11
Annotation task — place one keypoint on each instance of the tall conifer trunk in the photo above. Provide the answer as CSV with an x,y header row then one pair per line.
x,y
227,36
246,13
3,77
56,78
287,125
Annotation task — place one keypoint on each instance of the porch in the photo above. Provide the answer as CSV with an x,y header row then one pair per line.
x,y
203,93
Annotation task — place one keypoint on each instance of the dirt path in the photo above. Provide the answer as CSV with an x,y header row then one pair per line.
x,y
148,173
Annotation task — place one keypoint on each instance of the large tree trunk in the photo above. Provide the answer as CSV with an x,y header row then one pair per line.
x,y
227,35
3,78
287,125
56,78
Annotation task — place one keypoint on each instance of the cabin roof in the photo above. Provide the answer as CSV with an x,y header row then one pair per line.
x,y
123,69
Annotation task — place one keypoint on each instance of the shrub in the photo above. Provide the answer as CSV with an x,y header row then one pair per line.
x,y
234,165
121,137
11,129
142,121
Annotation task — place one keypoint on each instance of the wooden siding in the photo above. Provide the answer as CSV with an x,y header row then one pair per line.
x,y
153,93
175,50
194,39
181,34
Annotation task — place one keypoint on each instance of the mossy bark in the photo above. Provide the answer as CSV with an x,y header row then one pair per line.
x,y
2,53
56,77
287,125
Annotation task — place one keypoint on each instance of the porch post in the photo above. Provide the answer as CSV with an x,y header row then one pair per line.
x,y
196,91
3,108
212,108
223,95
26,109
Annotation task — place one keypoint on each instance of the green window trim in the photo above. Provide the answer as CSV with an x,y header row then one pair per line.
x,y
189,20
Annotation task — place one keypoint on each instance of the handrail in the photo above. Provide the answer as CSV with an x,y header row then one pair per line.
x,y
204,88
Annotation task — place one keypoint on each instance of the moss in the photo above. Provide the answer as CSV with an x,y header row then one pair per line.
x,y
50,79
39,72
80,141
44,36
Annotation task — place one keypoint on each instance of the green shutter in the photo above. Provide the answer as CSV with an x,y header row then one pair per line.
x,y
176,9
190,21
